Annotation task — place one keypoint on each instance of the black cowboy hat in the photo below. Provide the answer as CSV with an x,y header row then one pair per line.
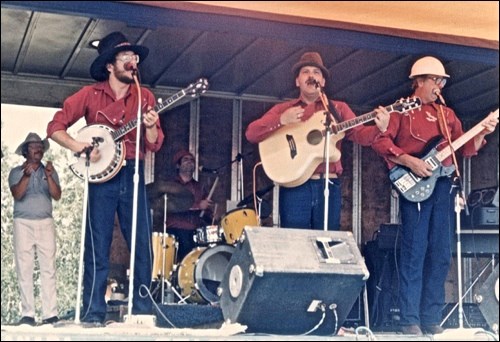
x,y
310,59
108,47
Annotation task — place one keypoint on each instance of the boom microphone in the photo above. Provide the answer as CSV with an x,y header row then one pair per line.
x,y
207,170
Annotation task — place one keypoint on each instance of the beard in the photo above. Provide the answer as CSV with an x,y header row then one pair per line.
x,y
189,168
123,77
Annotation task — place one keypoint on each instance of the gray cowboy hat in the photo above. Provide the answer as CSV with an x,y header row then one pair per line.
x,y
32,138
310,59
108,47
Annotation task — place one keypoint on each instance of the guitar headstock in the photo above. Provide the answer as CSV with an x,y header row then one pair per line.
x,y
197,88
405,105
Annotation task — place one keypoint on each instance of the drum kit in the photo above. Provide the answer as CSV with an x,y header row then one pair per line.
x,y
194,279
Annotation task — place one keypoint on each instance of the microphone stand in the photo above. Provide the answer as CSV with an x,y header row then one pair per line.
x,y
136,191
328,131
239,159
460,202
82,236
458,208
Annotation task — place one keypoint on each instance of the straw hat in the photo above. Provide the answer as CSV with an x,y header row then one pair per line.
x,y
32,138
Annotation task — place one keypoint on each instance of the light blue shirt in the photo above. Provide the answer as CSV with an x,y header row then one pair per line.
x,y
36,202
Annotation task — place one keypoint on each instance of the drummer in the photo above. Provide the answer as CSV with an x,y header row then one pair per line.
x,y
183,224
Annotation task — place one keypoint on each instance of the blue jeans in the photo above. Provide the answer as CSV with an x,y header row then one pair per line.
x,y
304,206
106,199
426,255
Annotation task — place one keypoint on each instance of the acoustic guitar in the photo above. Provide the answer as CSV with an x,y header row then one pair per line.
x,y
291,154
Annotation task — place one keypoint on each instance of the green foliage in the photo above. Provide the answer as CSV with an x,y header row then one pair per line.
x,y
68,220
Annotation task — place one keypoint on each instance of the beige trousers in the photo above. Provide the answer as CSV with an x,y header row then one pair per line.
x,y
30,237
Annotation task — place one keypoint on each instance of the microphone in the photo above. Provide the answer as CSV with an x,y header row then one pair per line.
x,y
207,170
437,92
129,66
87,150
313,81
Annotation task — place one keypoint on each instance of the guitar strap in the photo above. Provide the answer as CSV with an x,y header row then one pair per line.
x,y
443,127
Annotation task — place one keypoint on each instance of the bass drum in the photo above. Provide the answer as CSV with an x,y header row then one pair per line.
x,y
201,271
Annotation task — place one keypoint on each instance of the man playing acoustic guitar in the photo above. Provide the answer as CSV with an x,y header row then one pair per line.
x,y
302,199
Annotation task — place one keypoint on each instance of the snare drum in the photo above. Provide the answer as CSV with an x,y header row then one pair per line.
x,y
235,220
201,271
164,253
208,235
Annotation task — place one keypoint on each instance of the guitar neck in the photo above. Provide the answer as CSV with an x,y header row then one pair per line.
x,y
462,140
120,132
346,125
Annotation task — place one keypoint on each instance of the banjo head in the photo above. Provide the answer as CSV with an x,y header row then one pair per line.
x,y
112,154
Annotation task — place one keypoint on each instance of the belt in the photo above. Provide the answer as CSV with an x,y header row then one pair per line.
x,y
319,176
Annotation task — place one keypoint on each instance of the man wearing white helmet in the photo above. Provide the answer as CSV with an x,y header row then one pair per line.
x,y
426,225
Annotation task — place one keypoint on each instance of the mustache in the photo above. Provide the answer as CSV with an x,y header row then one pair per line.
x,y
313,81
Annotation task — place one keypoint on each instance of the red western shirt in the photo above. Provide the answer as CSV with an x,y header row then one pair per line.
x,y
411,133
98,105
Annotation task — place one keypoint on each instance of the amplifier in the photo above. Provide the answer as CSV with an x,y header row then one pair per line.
x,y
472,316
476,242
389,236
481,217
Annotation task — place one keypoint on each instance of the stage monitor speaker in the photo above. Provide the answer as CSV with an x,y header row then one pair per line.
x,y
488,300
288,281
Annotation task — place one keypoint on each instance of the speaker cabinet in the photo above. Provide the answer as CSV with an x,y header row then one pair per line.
x,y
288,281
486,197
488,300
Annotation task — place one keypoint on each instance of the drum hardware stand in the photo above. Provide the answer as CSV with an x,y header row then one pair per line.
x,y
163,278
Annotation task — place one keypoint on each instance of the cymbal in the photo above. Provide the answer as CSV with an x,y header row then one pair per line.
x,y
179,199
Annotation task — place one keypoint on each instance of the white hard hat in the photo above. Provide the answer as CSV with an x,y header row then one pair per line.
x,y
428,66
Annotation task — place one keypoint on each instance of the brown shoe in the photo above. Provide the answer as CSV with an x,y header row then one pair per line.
x,y
411,330
432,329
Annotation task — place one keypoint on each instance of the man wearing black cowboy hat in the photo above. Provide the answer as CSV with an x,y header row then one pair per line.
x,y
113,102
302,206
33,186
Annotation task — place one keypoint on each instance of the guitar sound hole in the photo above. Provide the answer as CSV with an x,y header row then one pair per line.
x,y
314,137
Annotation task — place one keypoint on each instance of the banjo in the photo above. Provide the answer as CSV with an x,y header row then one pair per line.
x,y
111,147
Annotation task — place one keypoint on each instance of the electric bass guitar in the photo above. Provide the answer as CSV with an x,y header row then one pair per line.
x,y
291,154
417,189
111,147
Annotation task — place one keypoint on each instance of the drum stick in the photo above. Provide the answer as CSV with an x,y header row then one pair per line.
x,y
210,194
